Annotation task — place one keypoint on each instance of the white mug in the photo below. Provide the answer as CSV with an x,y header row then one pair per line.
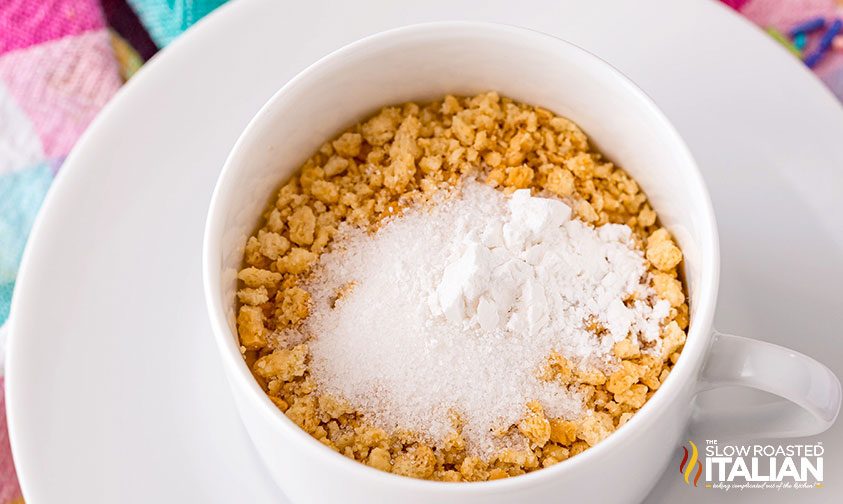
x,y
428,61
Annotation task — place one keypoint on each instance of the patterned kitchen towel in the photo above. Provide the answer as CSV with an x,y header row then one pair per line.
x,y
62,60
60,63
785,14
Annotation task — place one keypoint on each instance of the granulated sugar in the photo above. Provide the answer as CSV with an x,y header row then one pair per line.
x,y
457,307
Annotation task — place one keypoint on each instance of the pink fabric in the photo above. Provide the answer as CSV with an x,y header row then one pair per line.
x,y
735,4
787,13
28,22
57,70
61,85
784,14
9,488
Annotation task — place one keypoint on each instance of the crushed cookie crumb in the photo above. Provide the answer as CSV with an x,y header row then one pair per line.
x,y
403,156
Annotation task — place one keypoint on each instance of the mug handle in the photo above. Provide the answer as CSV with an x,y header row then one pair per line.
x,y
810,391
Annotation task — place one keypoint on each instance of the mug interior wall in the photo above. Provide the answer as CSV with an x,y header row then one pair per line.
x,y
527,67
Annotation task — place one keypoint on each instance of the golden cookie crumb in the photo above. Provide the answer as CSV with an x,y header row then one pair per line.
x,y
251,328
450,476
563,432
462,130
522,458
295,305
335,166
255,277
595,427
497,473
474,469
272,245
400,172
650,367
381,128
297,261
553,454
661,251
535,426
252,253
283,364
418,462
674,338
325,191
668,288
560,182
253,297
626,349
625,377
302,224
303,413
348,145
590,376
333,407
379,458
558,369
634,396
519,177
396,158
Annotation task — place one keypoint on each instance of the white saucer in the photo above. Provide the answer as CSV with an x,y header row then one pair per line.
x,y
114,389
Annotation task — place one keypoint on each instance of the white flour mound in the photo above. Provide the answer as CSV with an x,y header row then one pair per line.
x,y
456,308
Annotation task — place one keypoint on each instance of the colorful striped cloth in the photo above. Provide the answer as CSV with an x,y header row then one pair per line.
x,y
62,60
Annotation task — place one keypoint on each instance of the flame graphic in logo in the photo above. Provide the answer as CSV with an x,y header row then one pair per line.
x,y
689,468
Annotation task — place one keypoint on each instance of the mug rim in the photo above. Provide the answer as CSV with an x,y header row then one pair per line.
x,y
242,382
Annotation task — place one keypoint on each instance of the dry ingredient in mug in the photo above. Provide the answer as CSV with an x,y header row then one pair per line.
x,y
454,310
463,290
